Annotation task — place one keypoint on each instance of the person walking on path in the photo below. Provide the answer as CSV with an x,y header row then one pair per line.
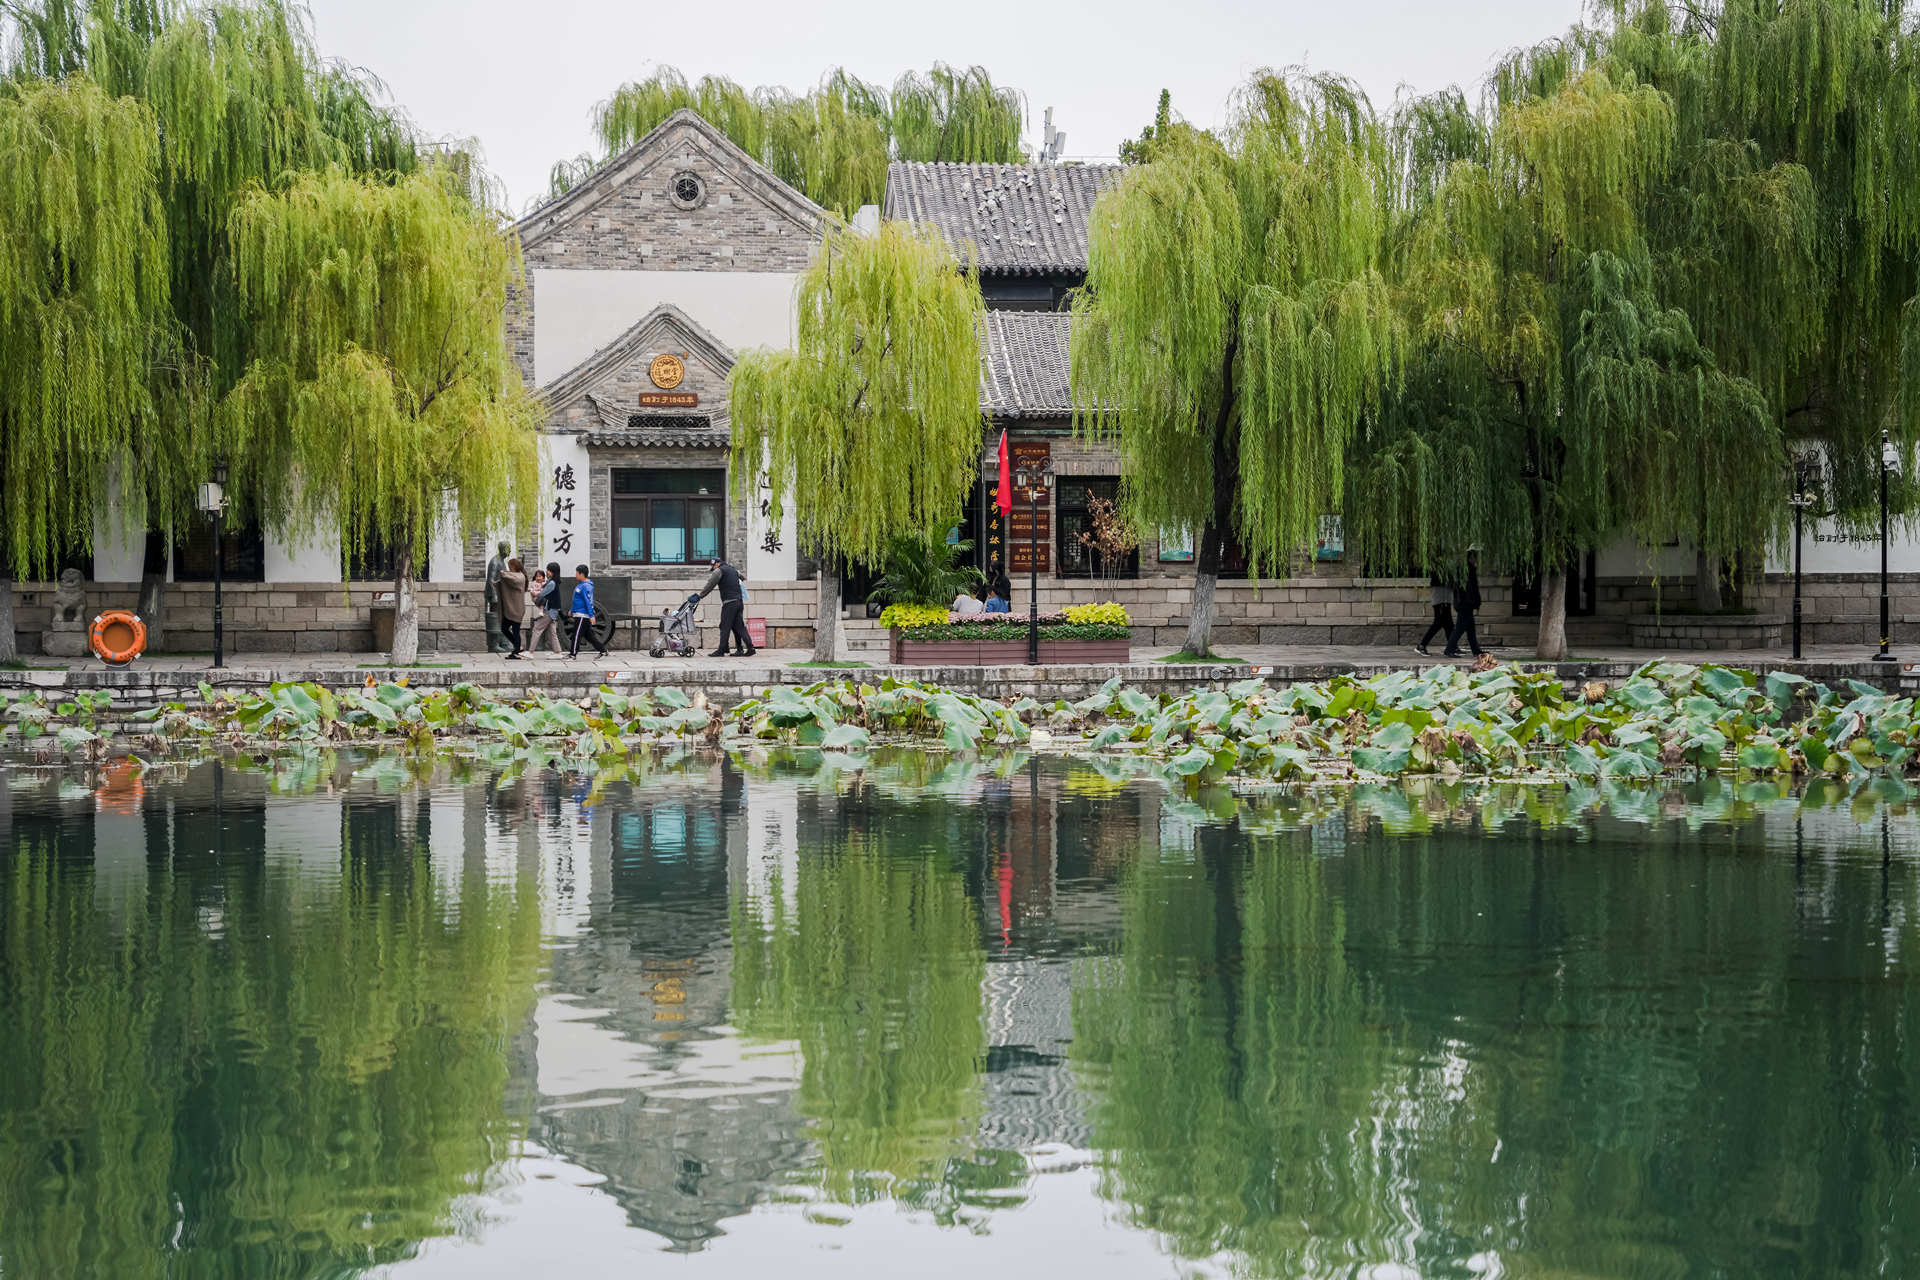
x,y
582,611
513,603
733,608
546,612
1442,596
1466,601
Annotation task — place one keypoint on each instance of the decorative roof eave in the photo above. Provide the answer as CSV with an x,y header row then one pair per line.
x,y
718,438
578,382
563,211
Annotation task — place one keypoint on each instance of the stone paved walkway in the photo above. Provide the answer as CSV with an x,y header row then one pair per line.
x,y
1293,656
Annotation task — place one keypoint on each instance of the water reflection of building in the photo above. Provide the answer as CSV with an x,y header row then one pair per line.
x,y
1030,1093
639,1076
1055,843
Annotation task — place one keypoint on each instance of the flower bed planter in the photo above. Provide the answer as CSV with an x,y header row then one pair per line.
x,y
955,653
996,653
1083,652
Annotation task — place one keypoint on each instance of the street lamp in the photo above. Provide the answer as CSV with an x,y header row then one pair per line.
x,y
213,498
1033,479
1806,481
1889,462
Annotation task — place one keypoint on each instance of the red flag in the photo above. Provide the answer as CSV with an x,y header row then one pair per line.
x,y
1004,499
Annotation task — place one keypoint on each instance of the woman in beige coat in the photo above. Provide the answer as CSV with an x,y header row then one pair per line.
x,y
513,602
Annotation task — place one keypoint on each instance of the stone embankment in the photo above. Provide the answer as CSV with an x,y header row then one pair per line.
x,y
727,683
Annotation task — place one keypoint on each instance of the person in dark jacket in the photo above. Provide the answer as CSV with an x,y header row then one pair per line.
x,y
733,608
1466,602
1002,587
1442,596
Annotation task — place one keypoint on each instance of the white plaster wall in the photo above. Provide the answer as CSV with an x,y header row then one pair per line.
x,y
578,312
120,532
1825,549
446,561
303,559
779,562
1627,559
563,452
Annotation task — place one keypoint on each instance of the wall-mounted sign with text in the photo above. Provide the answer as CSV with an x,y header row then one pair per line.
x,y
666,371
668,400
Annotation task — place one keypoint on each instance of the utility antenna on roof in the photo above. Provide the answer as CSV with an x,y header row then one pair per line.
x,y
1052,141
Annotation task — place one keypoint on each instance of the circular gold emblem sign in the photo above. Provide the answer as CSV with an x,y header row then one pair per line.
x,y
666,371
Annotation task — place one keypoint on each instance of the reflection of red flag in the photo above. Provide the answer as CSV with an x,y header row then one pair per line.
x,y
1004,499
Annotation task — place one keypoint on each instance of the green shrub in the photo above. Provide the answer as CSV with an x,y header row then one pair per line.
x,y
923,568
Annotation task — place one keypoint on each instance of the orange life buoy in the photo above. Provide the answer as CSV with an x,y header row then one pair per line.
x,y
118,637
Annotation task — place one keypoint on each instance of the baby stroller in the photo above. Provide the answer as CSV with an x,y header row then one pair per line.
x,y
679,634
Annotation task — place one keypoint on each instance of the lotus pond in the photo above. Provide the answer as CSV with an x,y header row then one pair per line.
x,y
313,1007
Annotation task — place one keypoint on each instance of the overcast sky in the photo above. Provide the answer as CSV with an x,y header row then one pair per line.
x,y
523,78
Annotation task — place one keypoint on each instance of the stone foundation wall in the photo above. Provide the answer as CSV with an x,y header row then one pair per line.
x,y
277,617
327,617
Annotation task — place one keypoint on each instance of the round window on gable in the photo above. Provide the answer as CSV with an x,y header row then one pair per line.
x,y
686,190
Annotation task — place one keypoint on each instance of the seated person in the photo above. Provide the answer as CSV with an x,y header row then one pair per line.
x,y
1002,587
995,602
967,602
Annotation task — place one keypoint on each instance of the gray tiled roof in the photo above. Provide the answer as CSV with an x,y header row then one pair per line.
x,y
1023,366
1026,219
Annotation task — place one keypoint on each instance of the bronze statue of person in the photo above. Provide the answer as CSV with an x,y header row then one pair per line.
x,y
496,636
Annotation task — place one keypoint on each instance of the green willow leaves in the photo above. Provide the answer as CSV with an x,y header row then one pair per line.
x,y
834,142
83,287
130,131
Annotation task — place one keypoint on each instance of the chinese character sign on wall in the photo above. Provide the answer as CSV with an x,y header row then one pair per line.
x,y
565,528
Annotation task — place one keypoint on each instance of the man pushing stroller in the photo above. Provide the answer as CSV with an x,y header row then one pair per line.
x,y
733,607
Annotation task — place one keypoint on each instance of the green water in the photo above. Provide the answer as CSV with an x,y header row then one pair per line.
x,y
345,1017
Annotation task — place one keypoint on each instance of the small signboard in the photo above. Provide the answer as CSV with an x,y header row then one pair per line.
x,y
757,632
668,400
383,597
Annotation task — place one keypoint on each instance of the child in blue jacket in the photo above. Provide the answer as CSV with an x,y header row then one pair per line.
x,y
582,610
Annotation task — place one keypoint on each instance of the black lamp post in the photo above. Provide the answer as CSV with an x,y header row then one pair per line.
x,y
1889,461
1806,478
1033,480
213,498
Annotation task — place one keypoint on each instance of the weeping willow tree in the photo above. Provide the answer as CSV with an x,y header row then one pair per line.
x,y
1236,325
384,393
1554,402
239,96
832,143
103,223
1789,222
954,114
85,322
870,427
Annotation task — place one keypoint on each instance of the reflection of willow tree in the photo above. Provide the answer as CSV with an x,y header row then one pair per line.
x,y
252,1076
1237,1059
1624,1056
872,963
